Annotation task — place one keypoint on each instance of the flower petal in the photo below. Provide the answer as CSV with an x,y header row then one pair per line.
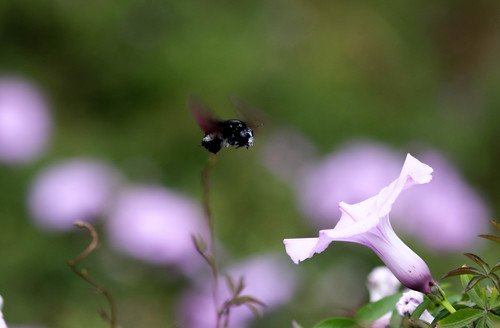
x,y
300,249
363,216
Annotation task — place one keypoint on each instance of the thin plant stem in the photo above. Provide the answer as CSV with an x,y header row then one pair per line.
x,y
211,260
84,275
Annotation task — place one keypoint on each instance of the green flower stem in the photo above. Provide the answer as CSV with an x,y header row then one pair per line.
x,y
448,306
437,295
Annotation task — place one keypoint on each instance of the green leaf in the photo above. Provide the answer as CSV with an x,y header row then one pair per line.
x,y
461,318
481,323
421,308
247,299
491,237
241,286
495,224
479,261
375,310
396,320
474,292
461,271
494,299
492,320
495,279
418,324
254,309
230,283
441,315
337,323
474,283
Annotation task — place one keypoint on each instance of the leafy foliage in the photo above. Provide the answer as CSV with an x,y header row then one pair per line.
x,y
477,307
483,272
493,237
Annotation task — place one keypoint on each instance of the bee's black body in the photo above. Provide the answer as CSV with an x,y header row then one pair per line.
x,y
220,133
229,133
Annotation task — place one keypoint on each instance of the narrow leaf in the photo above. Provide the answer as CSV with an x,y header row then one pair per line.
x,y
491,237
254,309
230,283
336,323
415,323
199,243
421,308
495,279
492,320
481,323
494,298
441,315
496,224
241,286
479,261
461,318
464,279
473,282
247,299
460,271
373,311
473,293
396,320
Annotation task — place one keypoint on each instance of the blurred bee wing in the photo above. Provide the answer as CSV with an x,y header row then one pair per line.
x,y
203,116
250,114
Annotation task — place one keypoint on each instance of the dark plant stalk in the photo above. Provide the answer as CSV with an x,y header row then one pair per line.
x,y
211,259
84,275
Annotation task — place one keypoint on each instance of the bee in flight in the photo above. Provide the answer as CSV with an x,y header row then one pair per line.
x,y
220,133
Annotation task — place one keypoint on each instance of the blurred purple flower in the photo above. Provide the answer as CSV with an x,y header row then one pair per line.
x,y
2,322
367,223
357,171
267,278
455,211
155,225
70,191
381,282
25,121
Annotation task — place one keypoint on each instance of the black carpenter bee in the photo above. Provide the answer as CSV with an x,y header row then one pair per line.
x,y
220,133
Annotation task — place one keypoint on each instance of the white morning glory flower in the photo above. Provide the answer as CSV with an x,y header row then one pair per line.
x,y
367,223
409,302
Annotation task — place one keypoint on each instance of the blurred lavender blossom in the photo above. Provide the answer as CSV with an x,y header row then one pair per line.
x,y
155,224
25,122
453,209
267,278
2,321
356,171
69,191
381,282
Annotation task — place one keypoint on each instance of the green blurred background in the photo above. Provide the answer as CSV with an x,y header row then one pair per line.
x,y
118,74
